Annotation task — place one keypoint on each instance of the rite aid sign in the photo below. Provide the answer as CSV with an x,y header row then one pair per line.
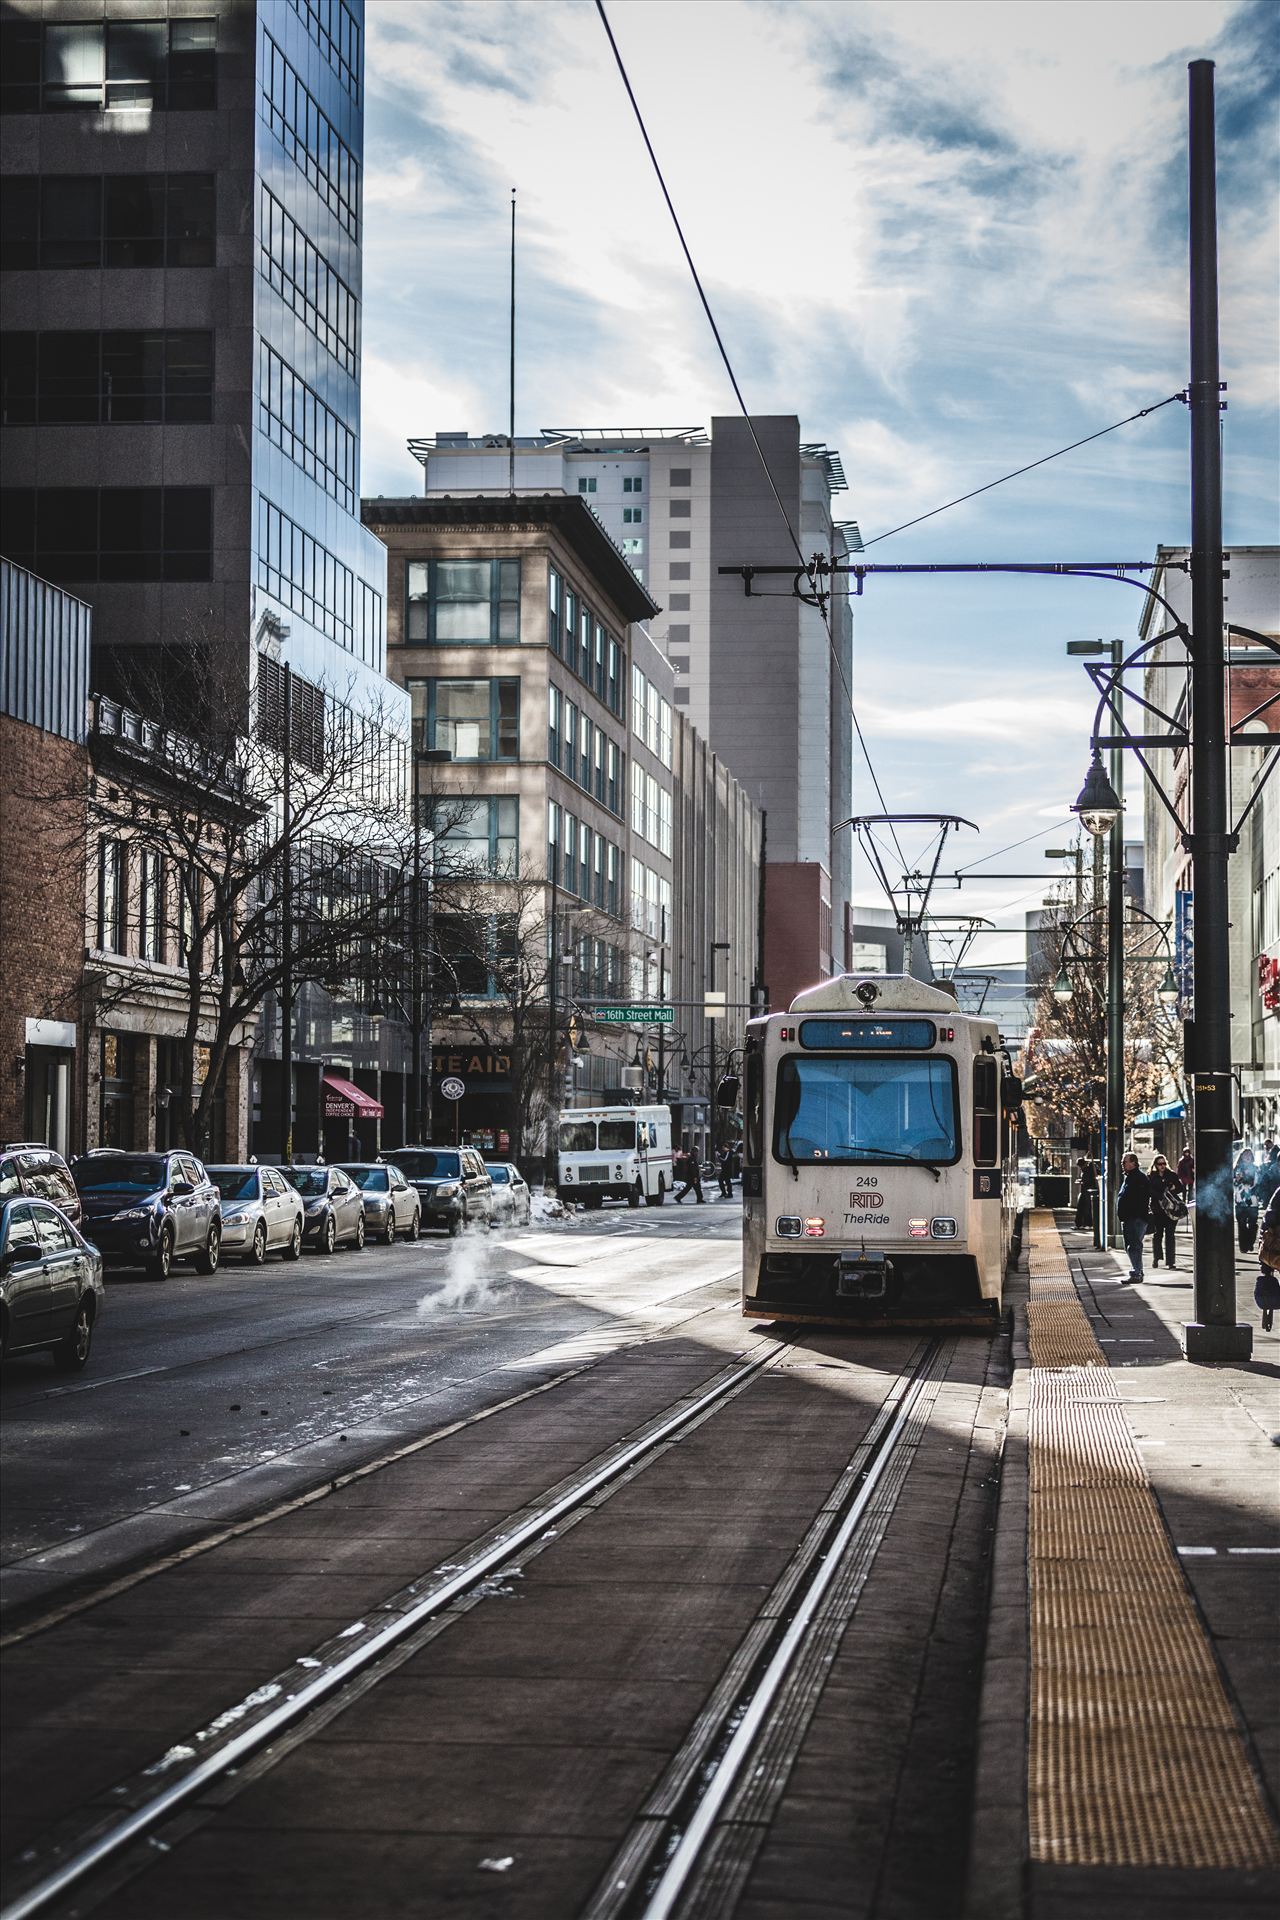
x,y
452,1088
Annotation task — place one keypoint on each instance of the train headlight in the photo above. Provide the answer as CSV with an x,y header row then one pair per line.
x,y
814,1227
942,1227
787,1227
918,1229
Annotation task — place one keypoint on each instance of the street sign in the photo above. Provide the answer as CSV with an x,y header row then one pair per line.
x,y
1184,949
452,1088
714,1004
633,1014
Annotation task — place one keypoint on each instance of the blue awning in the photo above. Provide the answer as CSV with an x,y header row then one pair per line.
x,y
1174,1111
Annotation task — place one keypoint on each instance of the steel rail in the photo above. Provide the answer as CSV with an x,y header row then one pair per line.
x,y
264,1720
719,1783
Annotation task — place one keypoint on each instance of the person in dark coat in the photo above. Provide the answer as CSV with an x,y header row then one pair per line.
x,y
1244,1180
1266,1291
1187,1170
1133,1210
689,1170
724,1167
1086,1195
1267,1179
1168,1206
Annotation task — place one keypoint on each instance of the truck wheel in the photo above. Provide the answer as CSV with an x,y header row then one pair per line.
x,y
656,1199
636,1195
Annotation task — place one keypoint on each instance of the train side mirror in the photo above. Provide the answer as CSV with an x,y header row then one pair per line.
x,y
1012,1090
727,1091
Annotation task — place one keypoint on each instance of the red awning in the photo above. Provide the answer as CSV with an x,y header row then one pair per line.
x,y
343,1101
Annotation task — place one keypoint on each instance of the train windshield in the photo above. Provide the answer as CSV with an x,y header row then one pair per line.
x,y
865,1109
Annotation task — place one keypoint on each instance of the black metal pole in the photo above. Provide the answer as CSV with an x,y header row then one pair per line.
x,y
415,962
286,927
1115,998
662,999
1214,1333
553,972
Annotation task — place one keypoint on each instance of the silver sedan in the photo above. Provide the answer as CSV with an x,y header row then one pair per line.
x,y
261,1214
391,1205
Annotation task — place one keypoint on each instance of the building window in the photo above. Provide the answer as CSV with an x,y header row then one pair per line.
x,y
483,837
633,483
631,545
108,220
297,571
555,602
678,540
110,533
681,509
637,799
297,420
587,485
105,65
107,377
664,732
682,476
334,28
613,866
615,682
678,635
615,773
306,282
308,137
678,603
664,821
113,867
679,570
632,516
472,719
306,713
150,905
463,603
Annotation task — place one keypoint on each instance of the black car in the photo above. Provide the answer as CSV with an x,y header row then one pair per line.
x,y
150,1209
51,1289
452,1182
27,1166
332,1206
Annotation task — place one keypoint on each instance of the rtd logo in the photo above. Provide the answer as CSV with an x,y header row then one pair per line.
x,y
866,1201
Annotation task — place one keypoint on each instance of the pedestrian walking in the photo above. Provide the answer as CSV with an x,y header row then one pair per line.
x,y
1168,1206
689,1170
1086,1195
724,1167
1267,1179
1266,1288
1187,1169
1133,1210
1244,1179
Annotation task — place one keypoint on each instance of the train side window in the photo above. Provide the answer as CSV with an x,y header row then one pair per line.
x,y
986,1115
753,1108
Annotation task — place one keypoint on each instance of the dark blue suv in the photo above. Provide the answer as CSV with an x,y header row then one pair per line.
x,y
150,1209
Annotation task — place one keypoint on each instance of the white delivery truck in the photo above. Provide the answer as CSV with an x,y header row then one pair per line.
x,y
623,1153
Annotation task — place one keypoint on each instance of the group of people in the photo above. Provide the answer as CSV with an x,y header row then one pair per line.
x,y
1154,1202
1256,1181
688,1168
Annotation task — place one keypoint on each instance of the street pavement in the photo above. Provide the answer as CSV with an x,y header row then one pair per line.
x,y
207,1398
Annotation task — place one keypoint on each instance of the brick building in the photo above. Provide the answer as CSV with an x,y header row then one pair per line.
x,y
44,687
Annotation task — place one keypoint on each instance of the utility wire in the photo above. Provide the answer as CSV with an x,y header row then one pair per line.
x,y
733,381
1013,845
1031,466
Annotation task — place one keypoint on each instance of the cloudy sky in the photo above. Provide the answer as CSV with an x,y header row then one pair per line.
x,y
950,237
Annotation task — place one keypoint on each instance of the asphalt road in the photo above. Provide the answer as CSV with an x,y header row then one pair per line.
x,y
207,1399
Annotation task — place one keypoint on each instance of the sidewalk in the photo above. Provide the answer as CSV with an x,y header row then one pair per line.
x,y
1129,1748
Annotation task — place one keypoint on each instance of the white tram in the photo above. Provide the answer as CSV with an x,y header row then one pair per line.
x,y
879,1157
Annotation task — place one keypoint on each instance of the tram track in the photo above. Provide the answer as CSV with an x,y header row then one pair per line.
x,y
325,1679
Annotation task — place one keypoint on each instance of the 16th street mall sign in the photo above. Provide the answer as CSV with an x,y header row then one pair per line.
x,y
632,1014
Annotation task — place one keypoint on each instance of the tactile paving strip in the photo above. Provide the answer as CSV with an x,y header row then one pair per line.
x,y
1134,1755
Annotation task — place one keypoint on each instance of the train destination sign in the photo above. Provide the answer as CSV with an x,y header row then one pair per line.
x,y
632,1014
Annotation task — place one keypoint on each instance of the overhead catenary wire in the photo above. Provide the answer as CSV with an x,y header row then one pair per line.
x,y
738,395
1030,467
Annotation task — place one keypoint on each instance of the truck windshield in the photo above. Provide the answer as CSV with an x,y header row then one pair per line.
x,y
866,1110
617,1136
577,1136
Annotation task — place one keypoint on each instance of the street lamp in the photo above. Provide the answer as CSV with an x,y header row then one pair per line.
x,y
1097,803
1062,987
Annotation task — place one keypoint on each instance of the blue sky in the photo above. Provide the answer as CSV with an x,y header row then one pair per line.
x,y
950,237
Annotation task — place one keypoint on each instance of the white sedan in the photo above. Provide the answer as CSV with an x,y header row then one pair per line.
x,y
512,1200
261,1213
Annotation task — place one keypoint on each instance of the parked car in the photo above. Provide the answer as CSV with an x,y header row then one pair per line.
x,y
452,1183
511,1197
150,1209
391,1205
333,1207
261,1213
51,1290
27,1166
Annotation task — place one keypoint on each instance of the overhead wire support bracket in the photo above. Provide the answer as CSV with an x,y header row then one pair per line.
x,y
820,567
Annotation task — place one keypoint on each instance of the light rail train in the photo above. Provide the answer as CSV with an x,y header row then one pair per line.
x,y
879,1157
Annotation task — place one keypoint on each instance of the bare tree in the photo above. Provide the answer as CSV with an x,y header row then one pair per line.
x,y
190,842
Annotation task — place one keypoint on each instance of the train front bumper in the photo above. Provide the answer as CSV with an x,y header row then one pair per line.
x,y
885,1285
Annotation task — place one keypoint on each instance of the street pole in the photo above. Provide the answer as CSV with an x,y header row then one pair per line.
x,y
1115,991
662,1000
1214,1334
286,930
553,964
415,963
